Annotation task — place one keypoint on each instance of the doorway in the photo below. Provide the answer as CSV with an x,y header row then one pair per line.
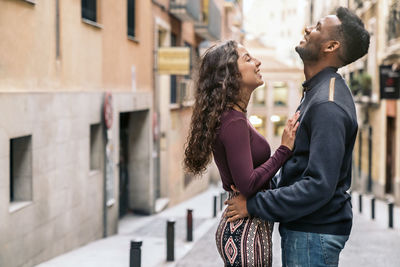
x,y
390,155
123,163
136,184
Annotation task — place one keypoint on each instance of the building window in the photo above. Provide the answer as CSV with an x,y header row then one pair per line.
x,y
258,122
394,20
280,94
183,91
96,148
131,18
359,3
89,10
259,96
174,86
173,94
21,169
279,124
191,55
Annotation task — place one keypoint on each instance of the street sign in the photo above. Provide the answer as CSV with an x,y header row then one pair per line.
x,y
173,60
389,82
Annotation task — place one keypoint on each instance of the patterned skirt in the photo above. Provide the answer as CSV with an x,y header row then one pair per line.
x,y
245,242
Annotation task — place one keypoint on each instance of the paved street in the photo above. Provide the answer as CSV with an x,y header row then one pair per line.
x,y
371,243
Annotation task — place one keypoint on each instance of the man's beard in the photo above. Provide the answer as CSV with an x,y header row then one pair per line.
x,y
307,54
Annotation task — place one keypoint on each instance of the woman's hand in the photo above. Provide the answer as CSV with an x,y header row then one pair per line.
x,y
289,133
234,189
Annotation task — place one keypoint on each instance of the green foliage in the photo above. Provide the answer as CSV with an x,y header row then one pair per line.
x,y
361,84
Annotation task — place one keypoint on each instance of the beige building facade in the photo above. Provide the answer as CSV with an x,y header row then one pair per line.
x,y
273,103
378,150
91,130
65,180
278,25
376,168
273,29
193,25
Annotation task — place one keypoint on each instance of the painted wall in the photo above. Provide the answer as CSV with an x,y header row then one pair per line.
x,y
121,53
55,98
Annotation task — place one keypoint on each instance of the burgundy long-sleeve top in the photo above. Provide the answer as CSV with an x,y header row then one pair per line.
x,y
242,155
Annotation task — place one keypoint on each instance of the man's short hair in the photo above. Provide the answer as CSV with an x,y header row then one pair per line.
x,y
353,36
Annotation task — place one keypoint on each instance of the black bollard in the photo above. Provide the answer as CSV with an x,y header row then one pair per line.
x,y
360,202
135,253
170,240
215,207
373,208
189,225
390,206
221,201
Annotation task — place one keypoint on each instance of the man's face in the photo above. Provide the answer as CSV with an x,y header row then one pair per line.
x,y
309,49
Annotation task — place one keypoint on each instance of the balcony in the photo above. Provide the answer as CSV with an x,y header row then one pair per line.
x,y
394,22
210,27
230,4
186,10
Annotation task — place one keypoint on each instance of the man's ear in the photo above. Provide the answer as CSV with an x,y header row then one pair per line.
x,y
331,46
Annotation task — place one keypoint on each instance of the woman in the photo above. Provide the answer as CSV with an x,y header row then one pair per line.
x,y
228,75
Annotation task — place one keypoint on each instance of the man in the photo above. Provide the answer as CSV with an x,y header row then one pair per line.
x,y
310,199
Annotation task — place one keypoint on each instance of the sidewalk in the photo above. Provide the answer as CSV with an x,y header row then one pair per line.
x,y
371,243
114,251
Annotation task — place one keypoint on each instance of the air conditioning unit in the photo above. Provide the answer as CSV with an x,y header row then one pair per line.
x,y
185,92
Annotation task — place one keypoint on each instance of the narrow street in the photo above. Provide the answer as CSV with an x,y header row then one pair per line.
x,y
370,245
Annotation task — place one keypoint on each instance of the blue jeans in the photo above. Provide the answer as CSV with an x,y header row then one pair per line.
x,y
304,249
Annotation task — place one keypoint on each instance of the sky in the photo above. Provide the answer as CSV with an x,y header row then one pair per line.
x,y
276,24
246,5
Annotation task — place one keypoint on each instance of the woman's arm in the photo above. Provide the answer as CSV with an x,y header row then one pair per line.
x,y
236,139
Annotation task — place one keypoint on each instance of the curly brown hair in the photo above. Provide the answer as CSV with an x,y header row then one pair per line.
x,y
217,89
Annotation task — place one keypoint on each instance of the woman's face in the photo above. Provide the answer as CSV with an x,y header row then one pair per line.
x,y
249,69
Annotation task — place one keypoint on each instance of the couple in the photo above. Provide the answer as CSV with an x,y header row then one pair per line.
x,y
309,197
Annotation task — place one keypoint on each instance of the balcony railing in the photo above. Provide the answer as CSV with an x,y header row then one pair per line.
x,y
186,10
230,4
210,27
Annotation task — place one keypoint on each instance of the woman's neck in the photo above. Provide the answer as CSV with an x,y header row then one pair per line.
x,y
241,105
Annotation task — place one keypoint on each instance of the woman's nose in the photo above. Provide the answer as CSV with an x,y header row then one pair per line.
x,y
308,29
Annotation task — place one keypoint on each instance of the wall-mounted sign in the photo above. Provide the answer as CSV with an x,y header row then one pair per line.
x,y
173,60
109,161
389,82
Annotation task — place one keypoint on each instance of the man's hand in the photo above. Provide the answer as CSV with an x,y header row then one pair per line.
x,y
237,208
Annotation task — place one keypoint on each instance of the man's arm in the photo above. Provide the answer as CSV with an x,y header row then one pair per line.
x,y
327,125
